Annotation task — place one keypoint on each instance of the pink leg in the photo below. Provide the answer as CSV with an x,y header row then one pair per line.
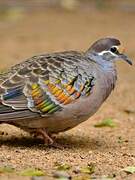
x,y
47,139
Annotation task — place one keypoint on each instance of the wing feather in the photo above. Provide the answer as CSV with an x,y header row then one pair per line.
x,y
44,84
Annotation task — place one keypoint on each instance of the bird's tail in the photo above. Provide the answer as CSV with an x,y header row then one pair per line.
x,y
7,114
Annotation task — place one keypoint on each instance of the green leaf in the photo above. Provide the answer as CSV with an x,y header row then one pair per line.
x,y
88,169
62,166
6,169
106,123
82,177
129,169
32,172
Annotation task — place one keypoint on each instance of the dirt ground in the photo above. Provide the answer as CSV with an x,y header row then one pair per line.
x,y
108,149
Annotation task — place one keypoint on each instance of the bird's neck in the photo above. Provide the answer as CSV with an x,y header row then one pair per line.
x,y
106,66
108,73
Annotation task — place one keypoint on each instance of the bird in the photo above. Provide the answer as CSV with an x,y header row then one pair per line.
x,y
52,93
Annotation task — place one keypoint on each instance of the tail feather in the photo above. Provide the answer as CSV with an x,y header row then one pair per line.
x,y
7,114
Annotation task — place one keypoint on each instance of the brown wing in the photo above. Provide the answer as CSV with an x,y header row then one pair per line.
x,y
45,84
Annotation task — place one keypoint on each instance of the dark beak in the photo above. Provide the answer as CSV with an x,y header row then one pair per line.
x,y
125,58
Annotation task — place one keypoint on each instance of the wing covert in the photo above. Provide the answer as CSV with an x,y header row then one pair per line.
x,y
46,83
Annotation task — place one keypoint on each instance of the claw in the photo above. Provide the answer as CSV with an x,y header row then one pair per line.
x,y
47,139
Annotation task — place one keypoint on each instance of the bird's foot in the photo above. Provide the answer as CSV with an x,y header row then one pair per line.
x,y
47,139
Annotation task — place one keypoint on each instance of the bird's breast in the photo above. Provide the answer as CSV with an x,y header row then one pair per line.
x,y
83,108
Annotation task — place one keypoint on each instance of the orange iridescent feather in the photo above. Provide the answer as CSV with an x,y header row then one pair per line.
x,y
57,93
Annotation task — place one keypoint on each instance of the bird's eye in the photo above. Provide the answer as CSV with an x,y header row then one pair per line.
x,y
114,50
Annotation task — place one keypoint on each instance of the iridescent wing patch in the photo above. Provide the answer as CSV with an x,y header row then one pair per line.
x,y
46,83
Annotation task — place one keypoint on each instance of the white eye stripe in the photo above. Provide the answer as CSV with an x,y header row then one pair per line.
x,y
115,47
104,52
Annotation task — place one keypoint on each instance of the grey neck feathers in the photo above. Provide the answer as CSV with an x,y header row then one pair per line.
x,y
108,71
106,65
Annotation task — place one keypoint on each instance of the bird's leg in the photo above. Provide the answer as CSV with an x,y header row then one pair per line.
x,y
53,136
47,139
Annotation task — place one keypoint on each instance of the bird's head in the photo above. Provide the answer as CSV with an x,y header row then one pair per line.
x,y
107,50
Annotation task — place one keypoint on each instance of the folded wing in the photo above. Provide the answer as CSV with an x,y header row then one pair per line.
x,y
43,85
